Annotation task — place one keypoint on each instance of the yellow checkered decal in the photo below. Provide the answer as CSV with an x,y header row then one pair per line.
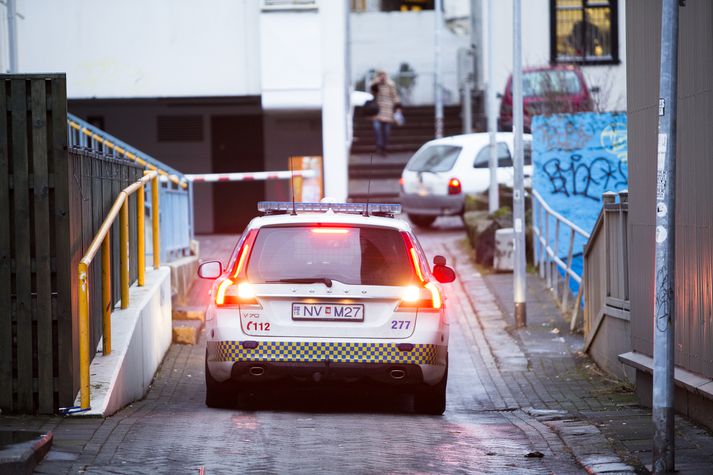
x,y
340,352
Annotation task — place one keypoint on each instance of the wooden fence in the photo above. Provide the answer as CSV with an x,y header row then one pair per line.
x,y
52,200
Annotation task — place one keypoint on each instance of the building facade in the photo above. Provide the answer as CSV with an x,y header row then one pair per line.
x,y
694,199
220,86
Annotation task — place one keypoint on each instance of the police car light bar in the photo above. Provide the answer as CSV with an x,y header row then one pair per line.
x,y
280,207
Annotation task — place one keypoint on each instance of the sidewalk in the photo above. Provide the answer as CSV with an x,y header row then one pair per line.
x,y
548,376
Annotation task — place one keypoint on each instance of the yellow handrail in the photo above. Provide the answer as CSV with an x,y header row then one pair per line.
x,y
120,208
133,157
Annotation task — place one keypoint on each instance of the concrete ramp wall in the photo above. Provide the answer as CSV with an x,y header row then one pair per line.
x,y
141,335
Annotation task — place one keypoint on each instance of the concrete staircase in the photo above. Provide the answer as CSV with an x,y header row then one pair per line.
x,y
366,166
418,129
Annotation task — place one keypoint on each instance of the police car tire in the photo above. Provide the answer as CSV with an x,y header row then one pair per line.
x,y
421,220
432,399
217,394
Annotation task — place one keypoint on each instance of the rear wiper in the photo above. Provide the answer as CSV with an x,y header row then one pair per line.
x,y
305,280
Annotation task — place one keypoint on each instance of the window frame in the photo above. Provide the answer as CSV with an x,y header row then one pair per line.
x,y
614,36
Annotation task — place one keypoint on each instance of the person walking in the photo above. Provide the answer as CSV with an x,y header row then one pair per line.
x,y
387,97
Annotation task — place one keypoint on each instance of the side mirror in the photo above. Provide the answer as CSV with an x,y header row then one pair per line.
x,y
210,270
439,261
444,274
595,90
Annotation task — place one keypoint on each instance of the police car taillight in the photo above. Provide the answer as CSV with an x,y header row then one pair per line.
x,y
425,295
231,293
234,290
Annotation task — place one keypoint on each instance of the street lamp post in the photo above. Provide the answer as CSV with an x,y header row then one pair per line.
x,y
518,198
664,309
438,92
12,34
493,194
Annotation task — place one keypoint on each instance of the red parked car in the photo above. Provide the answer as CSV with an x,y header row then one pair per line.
x,y
546,90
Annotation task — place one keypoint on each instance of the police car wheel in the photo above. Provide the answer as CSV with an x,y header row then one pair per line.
x,y
217,394
431,400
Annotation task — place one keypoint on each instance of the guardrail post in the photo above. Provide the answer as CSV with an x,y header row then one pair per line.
x,y
548,263
570,255
555,271
82,272
124,252
106,295
155,223
543,247
141,236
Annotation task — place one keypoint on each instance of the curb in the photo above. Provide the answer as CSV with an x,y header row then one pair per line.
x,y
23,457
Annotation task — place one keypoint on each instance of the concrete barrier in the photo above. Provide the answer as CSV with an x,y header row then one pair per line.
x,y
141,335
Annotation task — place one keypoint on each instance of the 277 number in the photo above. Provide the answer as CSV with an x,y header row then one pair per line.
x,y
400,324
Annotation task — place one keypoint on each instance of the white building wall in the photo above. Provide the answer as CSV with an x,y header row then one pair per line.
x,y
384,40
336,122
144,48
611,79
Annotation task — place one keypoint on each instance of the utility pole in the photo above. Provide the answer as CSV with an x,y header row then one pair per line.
x,y
438,92
493,192
664,308
518,192
12,34
465,73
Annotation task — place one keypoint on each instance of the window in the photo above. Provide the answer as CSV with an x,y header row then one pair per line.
x,y
391,5
354,255
584,31
547,83
180,128
434,158
482,160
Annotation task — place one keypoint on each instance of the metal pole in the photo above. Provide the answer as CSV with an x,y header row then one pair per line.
x,y
518,198
155,225
476,42
12,34
467,105
664,318
124,253
438,92
493,193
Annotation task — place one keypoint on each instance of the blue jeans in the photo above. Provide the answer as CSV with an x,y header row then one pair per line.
x,y
381,129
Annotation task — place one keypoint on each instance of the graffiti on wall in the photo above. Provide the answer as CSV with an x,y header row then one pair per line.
x,y
576,158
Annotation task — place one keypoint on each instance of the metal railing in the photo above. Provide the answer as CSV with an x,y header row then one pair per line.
x,y
175,189
102,239
546,251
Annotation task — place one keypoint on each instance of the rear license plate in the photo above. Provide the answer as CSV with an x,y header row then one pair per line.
x,y
328,312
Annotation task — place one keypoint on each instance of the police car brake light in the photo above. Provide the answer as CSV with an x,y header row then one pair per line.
x,y
230,293
283,207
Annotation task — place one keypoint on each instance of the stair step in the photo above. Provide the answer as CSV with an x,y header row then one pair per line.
x,y
187,332
189,313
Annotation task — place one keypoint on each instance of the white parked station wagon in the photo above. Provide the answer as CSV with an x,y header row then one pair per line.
x,y
328,292
440,174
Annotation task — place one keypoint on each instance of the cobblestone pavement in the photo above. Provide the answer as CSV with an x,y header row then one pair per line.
x,y
497,413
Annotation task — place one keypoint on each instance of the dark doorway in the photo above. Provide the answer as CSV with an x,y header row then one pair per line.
x,y
237,146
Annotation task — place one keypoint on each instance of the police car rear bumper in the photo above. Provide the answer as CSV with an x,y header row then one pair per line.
x,y
390,363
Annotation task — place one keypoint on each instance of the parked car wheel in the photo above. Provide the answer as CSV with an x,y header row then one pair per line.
x,y
422,221
431,400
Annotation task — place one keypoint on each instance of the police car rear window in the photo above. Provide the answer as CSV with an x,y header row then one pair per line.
x,y
350,255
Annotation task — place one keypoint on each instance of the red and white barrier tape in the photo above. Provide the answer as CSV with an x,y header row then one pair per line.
x,y
255,176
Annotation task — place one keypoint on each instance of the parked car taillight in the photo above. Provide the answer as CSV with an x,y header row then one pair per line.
x,y
454,187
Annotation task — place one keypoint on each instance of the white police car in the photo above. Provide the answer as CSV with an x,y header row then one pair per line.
x,y
328,292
